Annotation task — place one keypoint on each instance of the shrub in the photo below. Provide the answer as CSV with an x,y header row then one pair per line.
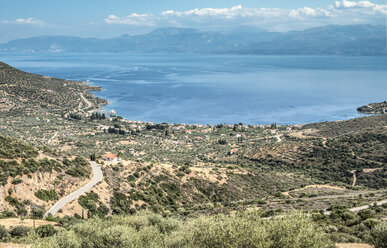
x,y
8,214
47,195
19,231
37,213
3,232
22,211
366,214
131,178
16,181
45,230
379,235
77,172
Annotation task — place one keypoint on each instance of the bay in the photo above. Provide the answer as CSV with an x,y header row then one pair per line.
x,y
212,89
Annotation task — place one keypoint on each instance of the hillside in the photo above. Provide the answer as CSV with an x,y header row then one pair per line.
x,y
32,178
24,92
183,170
332,39
169,167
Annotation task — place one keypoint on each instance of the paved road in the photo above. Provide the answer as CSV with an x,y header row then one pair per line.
x,y
88,103
278,137
56,133
357,209
97,172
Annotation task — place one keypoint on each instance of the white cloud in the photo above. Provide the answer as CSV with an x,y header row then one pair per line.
x,y
341,12
133,19
224,12
377,8
309,12
350,4
25,21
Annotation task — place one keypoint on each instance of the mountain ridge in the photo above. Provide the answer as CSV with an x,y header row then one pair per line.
x,y
325,40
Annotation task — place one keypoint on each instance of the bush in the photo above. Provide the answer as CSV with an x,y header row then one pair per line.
x,y
22,211
47,195
131,178
45,230
16,181
3,232
19,231
379,235
8,214
366,214
77,172
37,213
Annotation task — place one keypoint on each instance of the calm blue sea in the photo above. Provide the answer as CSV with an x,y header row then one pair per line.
x,y
222,88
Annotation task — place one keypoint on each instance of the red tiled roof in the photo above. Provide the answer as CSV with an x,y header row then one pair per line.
x,y
109,155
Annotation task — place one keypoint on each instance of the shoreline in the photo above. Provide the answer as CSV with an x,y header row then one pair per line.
x,y
257,125
283,112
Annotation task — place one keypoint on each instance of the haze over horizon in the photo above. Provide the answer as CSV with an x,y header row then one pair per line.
x,y
21,19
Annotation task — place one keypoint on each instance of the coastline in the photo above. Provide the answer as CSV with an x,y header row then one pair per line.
x,y
258,125
148,92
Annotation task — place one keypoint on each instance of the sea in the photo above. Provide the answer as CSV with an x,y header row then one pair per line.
x,y
213,89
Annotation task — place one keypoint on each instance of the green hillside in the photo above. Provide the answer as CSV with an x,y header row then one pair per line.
x,y
24,92
207,185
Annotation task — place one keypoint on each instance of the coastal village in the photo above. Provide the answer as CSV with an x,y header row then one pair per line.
x,y
183,134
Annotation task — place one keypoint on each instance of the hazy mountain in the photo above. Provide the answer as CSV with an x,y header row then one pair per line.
x,y
333,39
53,44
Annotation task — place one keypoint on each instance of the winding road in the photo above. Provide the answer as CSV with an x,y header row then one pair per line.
x,y
97,177
88,103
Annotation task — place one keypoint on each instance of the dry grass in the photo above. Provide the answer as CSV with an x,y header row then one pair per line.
x,y
315,186
304,134
11,245
12,222
370,170
353,245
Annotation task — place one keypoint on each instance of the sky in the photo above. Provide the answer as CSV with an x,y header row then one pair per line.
x,y
112,18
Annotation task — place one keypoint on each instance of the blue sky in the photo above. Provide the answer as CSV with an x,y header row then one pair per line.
x,y
104,19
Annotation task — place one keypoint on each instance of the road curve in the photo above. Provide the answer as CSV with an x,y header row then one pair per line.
x,y
88,103
97,177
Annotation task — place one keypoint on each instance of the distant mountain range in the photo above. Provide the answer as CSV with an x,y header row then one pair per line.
x,y
325,40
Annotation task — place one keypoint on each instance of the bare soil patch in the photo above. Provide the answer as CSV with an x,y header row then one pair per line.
x,y
370,170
